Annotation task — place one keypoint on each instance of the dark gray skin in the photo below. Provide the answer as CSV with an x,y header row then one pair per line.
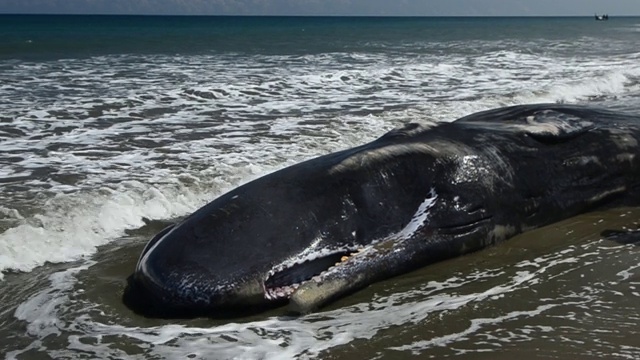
x,y
415,196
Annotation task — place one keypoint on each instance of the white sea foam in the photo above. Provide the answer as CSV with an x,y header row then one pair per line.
x,y
59,310
186,128
73,225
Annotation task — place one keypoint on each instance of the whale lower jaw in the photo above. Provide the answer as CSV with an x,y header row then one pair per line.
x,y
283,280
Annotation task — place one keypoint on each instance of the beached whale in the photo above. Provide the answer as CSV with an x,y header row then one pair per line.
x,y
315,231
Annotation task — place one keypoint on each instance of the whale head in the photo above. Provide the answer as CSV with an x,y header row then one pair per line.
x,y
315,231
256,245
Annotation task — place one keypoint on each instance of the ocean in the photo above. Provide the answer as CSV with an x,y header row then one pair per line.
x,y
113,126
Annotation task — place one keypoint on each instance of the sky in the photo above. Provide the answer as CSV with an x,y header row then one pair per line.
x,y
327,7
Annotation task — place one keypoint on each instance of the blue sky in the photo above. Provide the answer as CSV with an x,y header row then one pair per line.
x,y
327,7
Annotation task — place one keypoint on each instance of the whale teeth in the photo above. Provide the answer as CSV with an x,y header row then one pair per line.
x,y
280,292
285,291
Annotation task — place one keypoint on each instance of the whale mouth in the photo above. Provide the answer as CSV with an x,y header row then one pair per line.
x,y
284,280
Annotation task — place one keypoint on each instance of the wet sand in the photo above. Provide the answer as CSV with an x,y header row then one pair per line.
x,y
560,291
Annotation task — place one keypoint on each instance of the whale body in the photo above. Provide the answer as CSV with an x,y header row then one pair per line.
x,y
318,230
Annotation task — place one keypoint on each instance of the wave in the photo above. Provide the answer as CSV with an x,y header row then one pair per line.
x,y
72,226
110,141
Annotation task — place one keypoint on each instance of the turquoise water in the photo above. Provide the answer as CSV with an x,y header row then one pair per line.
x,y
50,37
112,126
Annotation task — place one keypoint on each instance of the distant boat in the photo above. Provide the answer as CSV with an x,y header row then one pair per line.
x,y
603,17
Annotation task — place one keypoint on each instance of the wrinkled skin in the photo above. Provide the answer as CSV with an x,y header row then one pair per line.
x,y
414,196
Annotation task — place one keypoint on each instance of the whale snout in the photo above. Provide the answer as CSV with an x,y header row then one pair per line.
x,y
147,300
169,284
154,294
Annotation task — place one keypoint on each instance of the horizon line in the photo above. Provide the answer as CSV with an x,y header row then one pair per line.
x,y
309,15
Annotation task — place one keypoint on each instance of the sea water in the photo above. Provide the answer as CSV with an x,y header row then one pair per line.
x,y
112,126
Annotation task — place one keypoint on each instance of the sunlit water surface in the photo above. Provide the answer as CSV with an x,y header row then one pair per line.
x,y
106,137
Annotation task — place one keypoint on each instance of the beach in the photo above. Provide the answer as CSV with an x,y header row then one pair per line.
x,y
112,127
